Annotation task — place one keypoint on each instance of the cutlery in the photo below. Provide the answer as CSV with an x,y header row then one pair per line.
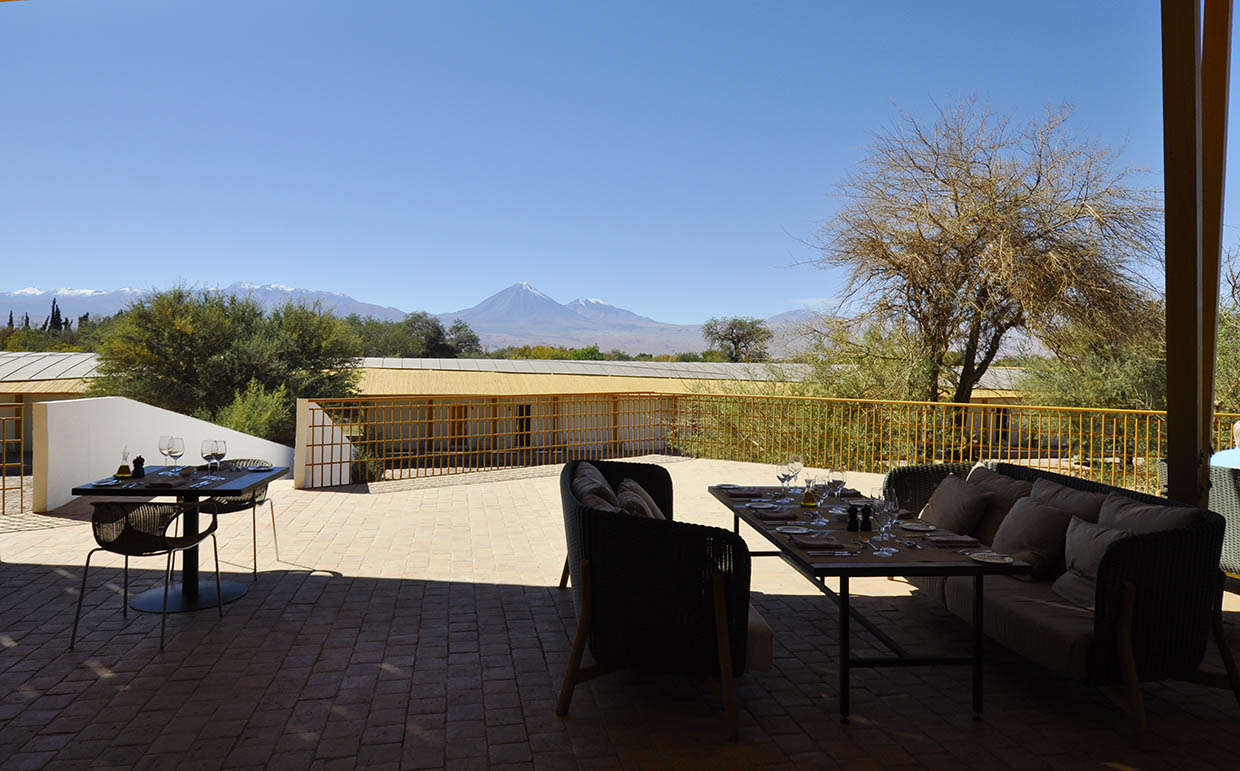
x,y
832,553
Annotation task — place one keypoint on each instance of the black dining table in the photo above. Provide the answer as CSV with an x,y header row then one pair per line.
x,y
188,484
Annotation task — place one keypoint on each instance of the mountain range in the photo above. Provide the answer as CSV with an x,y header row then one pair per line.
x,y
518,315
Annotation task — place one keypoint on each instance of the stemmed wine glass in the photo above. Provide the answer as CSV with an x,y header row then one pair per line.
x,y
835,485
176,448
207,451
221,449
165,444
795,465
784,475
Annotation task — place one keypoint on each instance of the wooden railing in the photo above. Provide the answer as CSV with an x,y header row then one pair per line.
x,y
12,464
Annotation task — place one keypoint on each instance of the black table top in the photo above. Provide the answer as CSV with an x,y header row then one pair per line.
x,y
930,560
160,480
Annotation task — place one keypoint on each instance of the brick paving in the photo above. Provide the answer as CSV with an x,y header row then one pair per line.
x,y
418,625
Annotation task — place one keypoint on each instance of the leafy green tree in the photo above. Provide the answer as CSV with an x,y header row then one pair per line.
x,y
195,352
739,338
464,340
864,359
257,411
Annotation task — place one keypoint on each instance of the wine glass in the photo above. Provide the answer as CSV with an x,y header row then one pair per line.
x,y
176,447
835,485
221,449
165,442
783,474
795,465
207,451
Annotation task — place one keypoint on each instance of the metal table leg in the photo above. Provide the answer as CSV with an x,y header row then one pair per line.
x,y
844,651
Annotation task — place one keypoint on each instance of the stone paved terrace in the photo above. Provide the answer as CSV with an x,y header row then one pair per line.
x,y
420,626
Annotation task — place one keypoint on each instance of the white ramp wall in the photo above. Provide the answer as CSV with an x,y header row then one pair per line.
x,y
80,440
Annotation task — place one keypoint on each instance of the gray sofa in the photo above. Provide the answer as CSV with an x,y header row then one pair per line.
x,y
1157,600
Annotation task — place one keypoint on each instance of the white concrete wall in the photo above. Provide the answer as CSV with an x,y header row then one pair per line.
x,y
324,453
80,440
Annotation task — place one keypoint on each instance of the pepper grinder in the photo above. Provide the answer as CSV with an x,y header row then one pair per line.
x,y
853,524
866,512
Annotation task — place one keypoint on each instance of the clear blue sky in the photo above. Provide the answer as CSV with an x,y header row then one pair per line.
x,y
671,158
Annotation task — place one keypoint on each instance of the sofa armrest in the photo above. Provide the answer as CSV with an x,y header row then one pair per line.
x,y
651,592
913,485
1175,576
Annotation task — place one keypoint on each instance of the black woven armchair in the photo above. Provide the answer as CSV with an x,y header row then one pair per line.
x,y
142,530
225,504
650,594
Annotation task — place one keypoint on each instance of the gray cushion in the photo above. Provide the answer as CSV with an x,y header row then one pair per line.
x,y
635,500
595,501
1120,511
931,586
956,505
1034,532
1086,543
1083,504
1004,493
759,642
588,479
1030,620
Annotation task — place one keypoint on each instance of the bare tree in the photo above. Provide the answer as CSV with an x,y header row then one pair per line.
x,y
971,228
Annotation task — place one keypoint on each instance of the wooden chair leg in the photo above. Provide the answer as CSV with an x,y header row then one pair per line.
x,y
727,685
1220,640
274,538
564,574
1128,665
579,643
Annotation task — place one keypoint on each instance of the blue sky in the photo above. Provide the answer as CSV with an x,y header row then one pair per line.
x,y
672,158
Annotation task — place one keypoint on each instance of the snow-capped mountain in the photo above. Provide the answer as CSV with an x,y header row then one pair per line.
x,y
100,302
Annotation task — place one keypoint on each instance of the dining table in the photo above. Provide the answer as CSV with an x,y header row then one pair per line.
x,y
188,484
845,555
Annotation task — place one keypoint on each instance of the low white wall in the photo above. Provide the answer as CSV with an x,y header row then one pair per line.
x,y
80,440
324,454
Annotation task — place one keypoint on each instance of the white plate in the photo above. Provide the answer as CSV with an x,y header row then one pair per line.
x,y
991,558
727,486
105,483
791,530
762,506
918,525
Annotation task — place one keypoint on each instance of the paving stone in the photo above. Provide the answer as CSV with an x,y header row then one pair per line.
x,y
420,626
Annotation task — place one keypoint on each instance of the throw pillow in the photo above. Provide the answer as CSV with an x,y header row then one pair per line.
x,y
1004,493
1086,543
1035,532
594,501
1120,511
635,500
955,505
588,479
1083,504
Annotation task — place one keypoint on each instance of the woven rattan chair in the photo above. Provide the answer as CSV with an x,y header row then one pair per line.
x,y
656,595
1224,500
141,530
225,504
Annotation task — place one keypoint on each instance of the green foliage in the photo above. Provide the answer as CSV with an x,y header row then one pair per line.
x,y
738,338
420,335
1227,365
869,359
257,411
195,352
55,334
1092,370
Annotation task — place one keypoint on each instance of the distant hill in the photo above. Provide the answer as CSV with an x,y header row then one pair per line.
x,y
101,302
522,315
518,315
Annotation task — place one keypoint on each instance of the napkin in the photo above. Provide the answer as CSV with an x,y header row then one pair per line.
x,y
817,541
906,514
743,492
951,539
848,492
780,514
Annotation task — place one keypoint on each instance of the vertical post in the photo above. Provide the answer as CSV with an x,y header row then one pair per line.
x,y
1181,70
1215,80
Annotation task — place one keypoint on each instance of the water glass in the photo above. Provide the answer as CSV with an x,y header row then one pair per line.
x,y
176,448
165,444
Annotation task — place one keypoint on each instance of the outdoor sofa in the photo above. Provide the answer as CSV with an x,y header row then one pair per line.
x,y
1157,599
